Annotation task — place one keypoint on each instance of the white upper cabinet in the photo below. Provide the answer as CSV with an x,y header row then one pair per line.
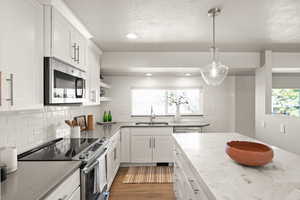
x,y
64,41
61,38
21,54
93,71
80,43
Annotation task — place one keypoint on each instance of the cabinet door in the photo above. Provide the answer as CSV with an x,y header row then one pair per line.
x,y
162,151
81,51
118,154
141,151
93,71
21,52
79,42
125,145
110,165
62,48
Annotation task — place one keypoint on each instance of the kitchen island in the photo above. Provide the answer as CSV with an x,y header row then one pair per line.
x,y
204,171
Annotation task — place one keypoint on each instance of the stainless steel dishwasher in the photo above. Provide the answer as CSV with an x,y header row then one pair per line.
x,y
188,129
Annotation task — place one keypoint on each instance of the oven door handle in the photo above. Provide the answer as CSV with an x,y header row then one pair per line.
x,y
87,169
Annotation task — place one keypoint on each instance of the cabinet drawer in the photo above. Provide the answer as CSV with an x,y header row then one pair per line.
x,y
152,131
66,189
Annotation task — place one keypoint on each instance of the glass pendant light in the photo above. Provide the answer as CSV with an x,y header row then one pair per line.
x,y
214,73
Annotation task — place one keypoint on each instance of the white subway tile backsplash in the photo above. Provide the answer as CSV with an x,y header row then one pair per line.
x,y
28,129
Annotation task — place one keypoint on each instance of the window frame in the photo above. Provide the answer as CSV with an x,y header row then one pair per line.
x,y
201,95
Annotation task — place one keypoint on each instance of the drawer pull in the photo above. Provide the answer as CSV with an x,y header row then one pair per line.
x,y
196,191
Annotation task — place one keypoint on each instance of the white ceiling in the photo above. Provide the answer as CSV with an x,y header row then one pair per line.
x,y
183,25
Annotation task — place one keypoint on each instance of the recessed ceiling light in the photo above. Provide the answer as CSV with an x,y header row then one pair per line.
x,y
188,74
148,74
132,36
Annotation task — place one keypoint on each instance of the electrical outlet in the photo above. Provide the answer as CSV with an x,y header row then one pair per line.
x,y
282,128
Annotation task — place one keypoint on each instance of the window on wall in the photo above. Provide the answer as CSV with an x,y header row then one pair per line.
x,y
159,99
286,102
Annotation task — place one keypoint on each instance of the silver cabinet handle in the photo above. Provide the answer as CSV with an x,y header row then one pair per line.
x,y
74,51
150,142
196,191
78,59
115,153
154,142
11,80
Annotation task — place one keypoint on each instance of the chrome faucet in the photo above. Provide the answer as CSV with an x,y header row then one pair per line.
x,y
152,116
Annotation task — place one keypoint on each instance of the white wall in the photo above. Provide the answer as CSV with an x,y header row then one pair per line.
x,y
270,133
27,129
120,63
219,102
245,105
286,80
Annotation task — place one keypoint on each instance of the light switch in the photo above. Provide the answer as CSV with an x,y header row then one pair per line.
x,y
282,128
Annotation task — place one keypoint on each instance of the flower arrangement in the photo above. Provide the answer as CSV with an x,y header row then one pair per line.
x,y
177,99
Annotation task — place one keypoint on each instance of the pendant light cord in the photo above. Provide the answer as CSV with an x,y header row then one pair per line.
x,y
214,38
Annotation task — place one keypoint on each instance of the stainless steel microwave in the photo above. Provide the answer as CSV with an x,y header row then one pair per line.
x,y
63,83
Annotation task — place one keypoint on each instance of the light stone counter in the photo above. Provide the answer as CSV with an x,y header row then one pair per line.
x,y
227,180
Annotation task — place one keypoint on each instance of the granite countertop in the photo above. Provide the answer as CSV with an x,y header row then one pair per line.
x,y
170,124
227,180
108,131
35,180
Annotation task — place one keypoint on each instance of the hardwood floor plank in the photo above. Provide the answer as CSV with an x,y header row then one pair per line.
x,y
121,191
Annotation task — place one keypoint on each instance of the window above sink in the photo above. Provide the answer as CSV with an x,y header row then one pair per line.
x,y
143,98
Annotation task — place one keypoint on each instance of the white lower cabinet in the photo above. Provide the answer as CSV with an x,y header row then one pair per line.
x,y
113,158
68,190
151,145
162,151
186,183
125,145
141,149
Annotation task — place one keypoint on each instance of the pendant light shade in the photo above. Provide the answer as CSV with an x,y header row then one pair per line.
x,y
215,72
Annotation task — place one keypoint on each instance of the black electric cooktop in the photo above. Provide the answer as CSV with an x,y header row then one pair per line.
x,y
56,150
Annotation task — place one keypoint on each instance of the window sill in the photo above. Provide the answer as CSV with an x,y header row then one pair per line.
x,y
195,115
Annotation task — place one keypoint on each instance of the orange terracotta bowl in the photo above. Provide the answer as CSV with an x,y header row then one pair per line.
x,y
249,153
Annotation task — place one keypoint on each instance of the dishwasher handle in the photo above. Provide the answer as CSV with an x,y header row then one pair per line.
x,y
196,129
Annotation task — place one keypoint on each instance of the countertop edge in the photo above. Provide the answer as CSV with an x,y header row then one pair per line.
x,y
207,190
62,179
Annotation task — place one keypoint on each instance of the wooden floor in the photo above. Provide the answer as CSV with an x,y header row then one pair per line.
x,y
120,191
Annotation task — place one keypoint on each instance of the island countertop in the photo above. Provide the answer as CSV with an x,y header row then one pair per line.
x,y
227,180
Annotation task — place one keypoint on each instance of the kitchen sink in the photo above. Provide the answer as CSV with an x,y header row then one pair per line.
x,y
152,123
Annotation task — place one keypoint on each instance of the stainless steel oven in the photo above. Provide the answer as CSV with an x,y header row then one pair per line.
x,y
63,83
94,179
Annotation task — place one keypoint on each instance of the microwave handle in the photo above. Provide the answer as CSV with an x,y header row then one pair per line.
x,y
86,170
78,96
